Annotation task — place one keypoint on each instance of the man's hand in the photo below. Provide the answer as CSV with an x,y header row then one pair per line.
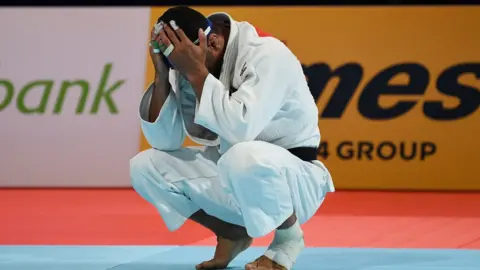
x,y
161,69
161,87
188,58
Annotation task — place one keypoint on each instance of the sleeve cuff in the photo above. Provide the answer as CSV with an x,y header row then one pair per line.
x,y
144,108
205,113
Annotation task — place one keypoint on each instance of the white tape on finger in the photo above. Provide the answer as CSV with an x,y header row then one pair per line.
x,y
206,32
168,50
158,27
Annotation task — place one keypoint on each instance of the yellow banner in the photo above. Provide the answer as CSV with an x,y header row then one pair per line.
x,y
397,90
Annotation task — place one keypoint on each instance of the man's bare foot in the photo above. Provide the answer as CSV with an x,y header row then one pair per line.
x,y
264,263
225,252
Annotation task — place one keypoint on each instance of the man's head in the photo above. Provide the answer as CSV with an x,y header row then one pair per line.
x,y
190,20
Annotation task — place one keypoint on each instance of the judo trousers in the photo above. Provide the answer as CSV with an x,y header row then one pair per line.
x,y
255,184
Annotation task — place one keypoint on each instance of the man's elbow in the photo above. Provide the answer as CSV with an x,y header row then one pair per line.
x,y
163,140
165,145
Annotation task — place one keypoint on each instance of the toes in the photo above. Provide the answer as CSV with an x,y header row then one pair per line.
x,y
251,266
212,264
256,267
200,266
264,263
205,265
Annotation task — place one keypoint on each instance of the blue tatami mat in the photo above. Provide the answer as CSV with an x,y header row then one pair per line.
x,y
185,258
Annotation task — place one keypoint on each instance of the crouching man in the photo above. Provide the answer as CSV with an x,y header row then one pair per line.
x,y
244,97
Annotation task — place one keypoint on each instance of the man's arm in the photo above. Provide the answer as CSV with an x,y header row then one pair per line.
x,y
160,119
243,115
160,92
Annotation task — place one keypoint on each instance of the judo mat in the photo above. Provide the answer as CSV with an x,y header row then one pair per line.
x,y
116,229
185,258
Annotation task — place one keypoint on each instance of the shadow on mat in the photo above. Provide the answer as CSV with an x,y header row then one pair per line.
x,y
337,259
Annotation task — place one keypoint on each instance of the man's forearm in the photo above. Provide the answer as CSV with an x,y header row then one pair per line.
x,y
197,80
161,90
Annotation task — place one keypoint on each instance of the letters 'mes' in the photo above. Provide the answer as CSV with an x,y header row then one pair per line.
x,y
409,94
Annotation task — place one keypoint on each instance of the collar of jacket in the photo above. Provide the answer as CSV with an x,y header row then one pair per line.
x,y
231,51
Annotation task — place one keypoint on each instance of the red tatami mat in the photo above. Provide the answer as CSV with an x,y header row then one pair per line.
x,y
347,219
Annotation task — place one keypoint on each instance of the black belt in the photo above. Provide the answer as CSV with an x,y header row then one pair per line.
x,y
304,153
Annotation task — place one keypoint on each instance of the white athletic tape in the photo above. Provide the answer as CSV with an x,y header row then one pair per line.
x,y
156,51
174,25
168,50
158,27
206,32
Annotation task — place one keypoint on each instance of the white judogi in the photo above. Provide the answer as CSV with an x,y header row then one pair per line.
x,y
244,175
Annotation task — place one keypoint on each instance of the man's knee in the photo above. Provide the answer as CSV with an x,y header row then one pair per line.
x,y
144,176
139,166
143,169
244,158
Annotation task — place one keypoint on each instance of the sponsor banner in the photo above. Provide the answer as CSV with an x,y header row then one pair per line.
x,y
397,90
69,81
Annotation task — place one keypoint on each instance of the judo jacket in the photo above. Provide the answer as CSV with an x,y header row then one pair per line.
x,y
261,94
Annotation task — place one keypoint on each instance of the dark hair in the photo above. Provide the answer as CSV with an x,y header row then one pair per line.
x,y
220,27
189,20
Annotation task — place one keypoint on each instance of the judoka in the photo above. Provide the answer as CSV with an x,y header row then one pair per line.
x,y
245,99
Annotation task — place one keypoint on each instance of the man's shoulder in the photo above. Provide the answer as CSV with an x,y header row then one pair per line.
x,y
264,53
258,55
254,45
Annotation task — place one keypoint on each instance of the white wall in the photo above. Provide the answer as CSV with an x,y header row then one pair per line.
x,y
56,44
